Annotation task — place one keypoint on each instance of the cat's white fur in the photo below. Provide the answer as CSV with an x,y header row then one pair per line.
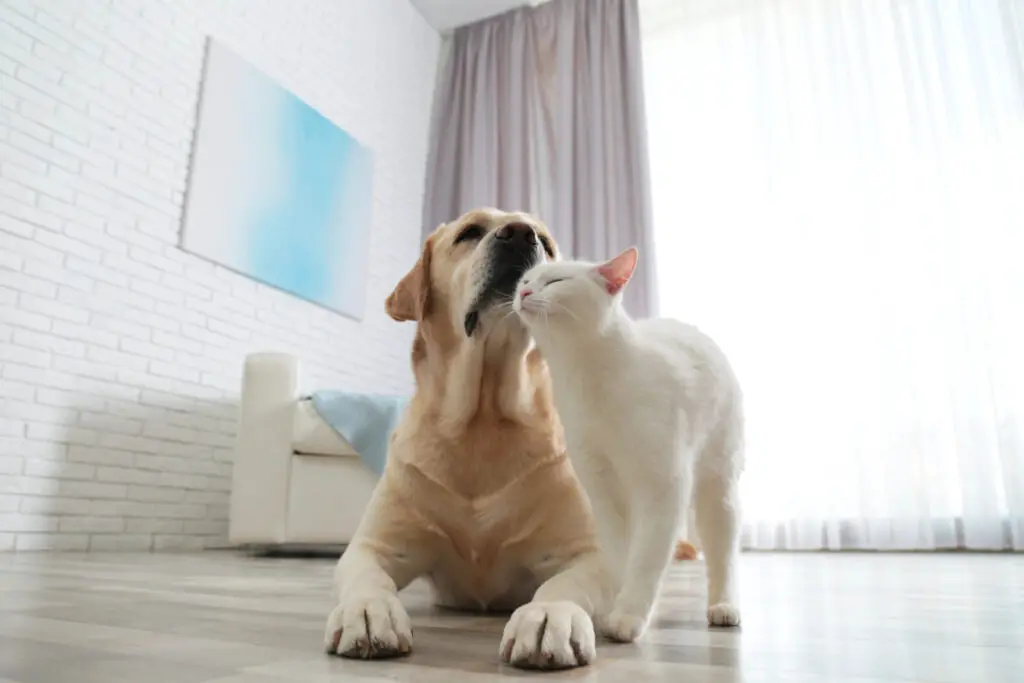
x,y
653,421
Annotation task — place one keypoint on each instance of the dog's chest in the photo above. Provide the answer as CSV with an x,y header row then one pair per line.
x,y
478,531
481,564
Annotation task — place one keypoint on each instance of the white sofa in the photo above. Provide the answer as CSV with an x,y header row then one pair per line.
x,y
295,481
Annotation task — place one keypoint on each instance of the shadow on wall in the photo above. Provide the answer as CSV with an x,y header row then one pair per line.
x,y
118,474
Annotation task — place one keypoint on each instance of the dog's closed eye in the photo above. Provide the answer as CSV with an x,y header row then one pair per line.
x,y
472,232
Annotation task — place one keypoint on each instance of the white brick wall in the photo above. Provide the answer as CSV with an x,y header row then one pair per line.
x,y
120,355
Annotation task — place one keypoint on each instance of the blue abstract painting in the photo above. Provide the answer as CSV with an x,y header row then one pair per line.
x,y
277,191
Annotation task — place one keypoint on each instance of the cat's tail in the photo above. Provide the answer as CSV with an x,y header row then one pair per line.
x,y
685,551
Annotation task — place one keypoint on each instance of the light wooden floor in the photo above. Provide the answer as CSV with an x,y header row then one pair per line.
x,y
219,617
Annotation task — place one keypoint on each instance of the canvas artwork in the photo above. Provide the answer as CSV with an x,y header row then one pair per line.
x,y
277,191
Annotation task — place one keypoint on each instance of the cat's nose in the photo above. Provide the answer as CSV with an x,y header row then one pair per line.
x,y
517,235
525,293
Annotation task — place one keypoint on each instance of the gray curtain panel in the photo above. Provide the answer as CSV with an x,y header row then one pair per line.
x,y
542,110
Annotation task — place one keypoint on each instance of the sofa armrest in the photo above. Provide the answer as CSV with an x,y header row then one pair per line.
x,y
263,449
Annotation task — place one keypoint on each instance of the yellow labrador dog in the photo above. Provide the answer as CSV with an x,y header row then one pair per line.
x,y
478,494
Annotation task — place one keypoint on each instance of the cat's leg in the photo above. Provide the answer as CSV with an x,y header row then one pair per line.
x,y
716,499
609,507
656,518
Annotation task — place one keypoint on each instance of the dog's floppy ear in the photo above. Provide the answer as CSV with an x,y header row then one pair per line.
x,y
411,298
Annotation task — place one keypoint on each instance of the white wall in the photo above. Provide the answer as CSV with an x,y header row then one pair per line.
x,y
120,355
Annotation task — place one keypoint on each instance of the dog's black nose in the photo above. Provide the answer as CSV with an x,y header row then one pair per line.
x,y
517,235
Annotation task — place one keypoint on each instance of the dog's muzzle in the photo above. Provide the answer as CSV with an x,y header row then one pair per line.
x,y
514,249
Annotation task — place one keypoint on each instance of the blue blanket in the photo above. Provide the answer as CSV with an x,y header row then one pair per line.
x,y
364,420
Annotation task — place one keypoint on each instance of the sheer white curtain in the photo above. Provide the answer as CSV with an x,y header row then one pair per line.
x,y
838,192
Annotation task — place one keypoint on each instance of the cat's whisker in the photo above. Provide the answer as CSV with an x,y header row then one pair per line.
x,y
542,308
505,317
506,308
546,311
564,308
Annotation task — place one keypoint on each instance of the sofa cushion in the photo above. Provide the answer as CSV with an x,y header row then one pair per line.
x,y
313,436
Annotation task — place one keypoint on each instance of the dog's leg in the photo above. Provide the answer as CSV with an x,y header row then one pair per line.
x,y
387,553
555,630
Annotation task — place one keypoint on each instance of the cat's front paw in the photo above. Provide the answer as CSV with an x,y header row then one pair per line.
x,y
724,614
622,627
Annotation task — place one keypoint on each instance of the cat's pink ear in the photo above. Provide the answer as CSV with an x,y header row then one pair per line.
x,y
616,273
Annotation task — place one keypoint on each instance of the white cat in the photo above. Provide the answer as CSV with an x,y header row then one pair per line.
x,y
653,420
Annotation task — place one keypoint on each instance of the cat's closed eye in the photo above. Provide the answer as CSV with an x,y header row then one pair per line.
x,y
557,279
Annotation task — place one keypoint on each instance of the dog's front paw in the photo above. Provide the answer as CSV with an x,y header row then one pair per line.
x,y
548,635
724,614
622,626
369,627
